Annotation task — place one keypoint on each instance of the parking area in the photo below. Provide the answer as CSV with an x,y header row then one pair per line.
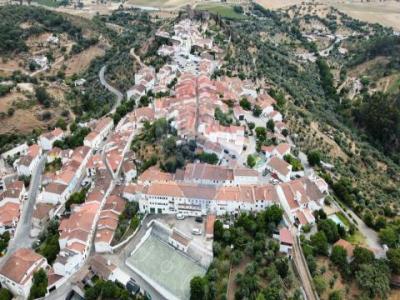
x,y
186,226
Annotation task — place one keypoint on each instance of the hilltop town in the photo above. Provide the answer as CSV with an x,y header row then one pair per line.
x,y
193,183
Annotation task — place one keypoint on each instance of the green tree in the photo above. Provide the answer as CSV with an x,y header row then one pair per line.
x,y
335,295
245,104
39,285
261,134
314,158
361,256
61,124
271,125
339,257
330,229
389,236
5,294
373,279
320,284
320,243
282,267
393,256
197,288
273,214
257,110
251,161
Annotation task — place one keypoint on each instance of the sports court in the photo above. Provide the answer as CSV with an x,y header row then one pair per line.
x,y
166,266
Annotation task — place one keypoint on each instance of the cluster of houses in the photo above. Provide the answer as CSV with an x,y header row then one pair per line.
x,y
202,189
11,203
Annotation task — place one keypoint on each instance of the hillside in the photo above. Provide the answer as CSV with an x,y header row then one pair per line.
x,y
61,56
309,56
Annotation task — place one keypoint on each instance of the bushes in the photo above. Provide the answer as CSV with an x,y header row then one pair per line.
x,y
39,285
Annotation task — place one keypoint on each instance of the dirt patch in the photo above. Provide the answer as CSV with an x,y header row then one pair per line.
x,y
81,61
232,276
7,100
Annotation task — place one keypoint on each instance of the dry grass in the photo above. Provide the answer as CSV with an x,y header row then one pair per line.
x,y
81,61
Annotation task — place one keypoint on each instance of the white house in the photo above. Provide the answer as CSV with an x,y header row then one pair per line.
x,y
102,129
54,193
280,168
17,272
27,163
18,150
178,240
67,262
47,140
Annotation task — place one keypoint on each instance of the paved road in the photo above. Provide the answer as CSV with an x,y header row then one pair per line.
x,y
112,89
21,237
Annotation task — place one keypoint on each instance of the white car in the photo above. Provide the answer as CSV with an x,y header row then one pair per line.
x,y
180,216
196,231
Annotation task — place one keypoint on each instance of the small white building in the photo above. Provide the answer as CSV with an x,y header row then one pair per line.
x,y
67,262
178,240
47,140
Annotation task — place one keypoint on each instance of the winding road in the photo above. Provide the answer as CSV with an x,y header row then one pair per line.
x,y
111,89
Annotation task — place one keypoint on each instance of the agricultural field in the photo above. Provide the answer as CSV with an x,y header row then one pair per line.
x,y
225,11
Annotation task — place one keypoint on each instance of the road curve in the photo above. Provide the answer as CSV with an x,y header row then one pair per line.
x,y
111,89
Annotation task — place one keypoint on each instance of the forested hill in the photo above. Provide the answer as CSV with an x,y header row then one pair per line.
x,y
18,23
330,67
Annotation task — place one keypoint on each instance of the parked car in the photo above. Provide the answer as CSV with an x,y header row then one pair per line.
x,y
196,231
180,217
133,287
199,219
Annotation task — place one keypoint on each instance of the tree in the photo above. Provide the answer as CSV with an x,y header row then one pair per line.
x,y
373,279
261,134
282,267
42,96
361,256
393,256
245,104
197,288
389,236
335,295
273,214
320,243
39,285
61,123
257,110
320,284
218,230
339,257
271,125
330,229
5,294
314,158
251,161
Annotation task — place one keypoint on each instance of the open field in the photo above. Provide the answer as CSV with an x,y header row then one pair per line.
x,y
160,3
226,11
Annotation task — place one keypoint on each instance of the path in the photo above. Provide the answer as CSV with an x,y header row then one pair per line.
x,y
137,58
111,89
302,268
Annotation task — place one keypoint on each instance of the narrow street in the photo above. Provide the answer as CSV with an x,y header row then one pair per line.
x,y
21,237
